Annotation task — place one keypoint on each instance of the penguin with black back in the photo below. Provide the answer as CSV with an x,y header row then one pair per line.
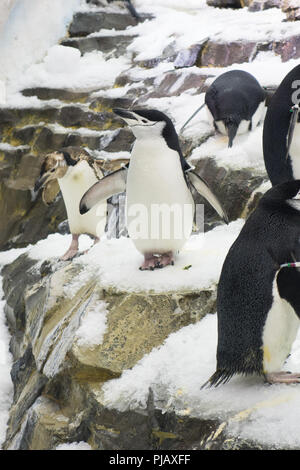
x,y
235,103
281,132
258,299
157,183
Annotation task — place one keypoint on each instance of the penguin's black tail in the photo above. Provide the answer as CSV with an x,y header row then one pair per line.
x,y
221,376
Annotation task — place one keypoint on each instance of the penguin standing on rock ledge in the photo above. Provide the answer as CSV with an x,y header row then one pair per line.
x,y
157,189
258,300
73,175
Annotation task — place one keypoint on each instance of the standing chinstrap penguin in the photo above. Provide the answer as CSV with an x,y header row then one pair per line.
x,y
235,103
258,299
73,175
156,178
281,133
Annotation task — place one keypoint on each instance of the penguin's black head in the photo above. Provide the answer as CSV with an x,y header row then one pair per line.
x,y
150,124
285,195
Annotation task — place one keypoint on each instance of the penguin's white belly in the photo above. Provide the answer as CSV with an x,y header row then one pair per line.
x,y
279,332
73,185
159,205
295,151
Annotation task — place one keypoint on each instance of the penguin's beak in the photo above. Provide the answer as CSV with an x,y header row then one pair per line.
x,y
41,181
124,114
231,130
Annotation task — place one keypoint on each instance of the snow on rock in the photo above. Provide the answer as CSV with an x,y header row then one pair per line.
x,y
74,446
93,70
191,22
92,325
30,29
116,261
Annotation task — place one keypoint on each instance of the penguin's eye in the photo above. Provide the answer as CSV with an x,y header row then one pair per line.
x,y
144,121
53,169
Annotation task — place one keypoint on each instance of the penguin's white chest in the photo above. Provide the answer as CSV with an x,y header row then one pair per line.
x,y
279,332
159,205
73,185
295,151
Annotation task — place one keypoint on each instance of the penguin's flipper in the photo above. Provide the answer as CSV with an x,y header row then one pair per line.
x,y
111,184
192,116
50,192
202,187
132,10
293,120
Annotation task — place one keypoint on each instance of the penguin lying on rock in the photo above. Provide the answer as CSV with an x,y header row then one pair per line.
x,y
73,175
235,103
281,133
258,300
159,203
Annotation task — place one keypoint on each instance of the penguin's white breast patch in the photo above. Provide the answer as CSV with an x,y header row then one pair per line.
x,y
295,151
279,332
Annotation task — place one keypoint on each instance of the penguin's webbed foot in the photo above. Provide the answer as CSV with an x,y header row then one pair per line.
x,y
153,261
70,254
73,249
283,377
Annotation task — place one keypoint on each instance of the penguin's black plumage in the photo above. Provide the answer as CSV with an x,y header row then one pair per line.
x,y
235,100
281,160
258,303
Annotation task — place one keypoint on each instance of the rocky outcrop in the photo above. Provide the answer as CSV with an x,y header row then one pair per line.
x,y
58,374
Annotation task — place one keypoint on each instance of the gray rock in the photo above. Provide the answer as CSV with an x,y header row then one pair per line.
x,y
106,44
225,3
85,23
259,5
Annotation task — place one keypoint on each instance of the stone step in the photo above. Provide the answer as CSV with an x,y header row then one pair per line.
x,y
106,44
44,93
223,54
39,138
67,116
85,23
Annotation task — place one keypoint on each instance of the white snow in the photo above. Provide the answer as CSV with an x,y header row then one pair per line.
x,y
30,29
116,261
190,24
92,69
74,446
92,325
